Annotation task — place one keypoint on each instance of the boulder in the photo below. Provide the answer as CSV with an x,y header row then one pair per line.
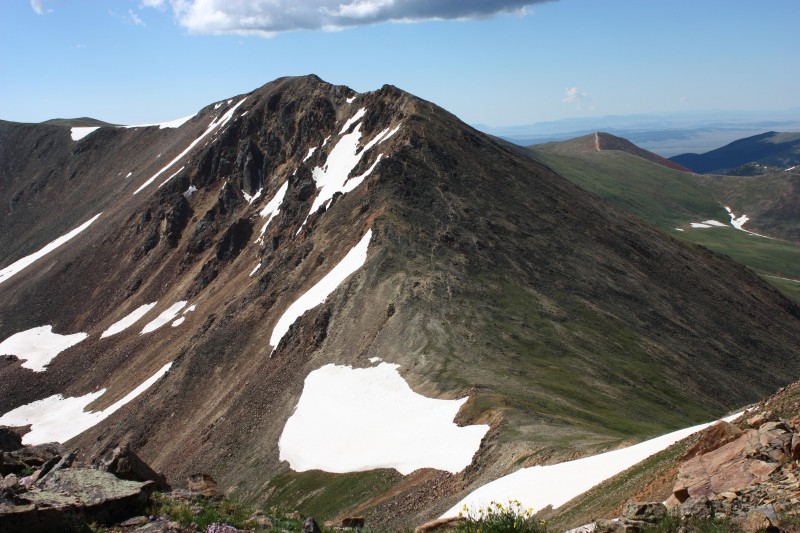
x,y
712,438
760,519
70,497
728,468
646,511
757,420
697,508
203,484
355,522
10,439
125,464
310,526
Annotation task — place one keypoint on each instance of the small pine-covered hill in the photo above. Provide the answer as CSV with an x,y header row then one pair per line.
x,y
771,150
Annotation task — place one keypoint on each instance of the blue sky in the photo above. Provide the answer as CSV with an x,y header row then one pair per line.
x,y
142,61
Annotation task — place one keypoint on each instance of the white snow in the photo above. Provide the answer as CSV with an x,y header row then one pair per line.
x,y
58,419
700,225
272,209
325,141
540,486
164,317
80,132
216,123
679,229
255,269
170,177
739,222
317,294
20,264
791,168
251,199
177,123
310,153
350,100
189,192
372,419
355,118
127,321
177,322
715,223
332,177
38,346
189,309
375,359
129,174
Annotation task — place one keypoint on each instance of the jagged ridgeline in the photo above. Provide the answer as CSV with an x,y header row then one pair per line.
x,y
352,303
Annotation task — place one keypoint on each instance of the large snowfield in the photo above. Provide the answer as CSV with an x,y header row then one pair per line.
x,y
372,419
36,347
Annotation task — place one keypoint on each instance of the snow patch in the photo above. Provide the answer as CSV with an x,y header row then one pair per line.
x,y
317,294
540,486
79,133
700,225
127,321
715,223
352,120
350,100
375,360
272,209
58,419
129,174
251,199
739,222
255,269
177,322
189,309
177,123
333,176
170,177
216,123
679,229
21,264
38,346
310,153
398,428
189,192
164,317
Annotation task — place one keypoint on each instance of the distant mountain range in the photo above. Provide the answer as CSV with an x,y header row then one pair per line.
x,y
665,134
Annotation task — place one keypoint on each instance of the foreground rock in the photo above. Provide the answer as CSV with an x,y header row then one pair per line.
x,y
70,497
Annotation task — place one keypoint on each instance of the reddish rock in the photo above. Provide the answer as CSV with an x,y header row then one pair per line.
x,y
712,438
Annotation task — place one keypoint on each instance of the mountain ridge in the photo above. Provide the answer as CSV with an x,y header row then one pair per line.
x,y
580,323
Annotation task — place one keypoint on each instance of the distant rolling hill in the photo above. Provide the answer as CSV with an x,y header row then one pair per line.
x,y
674,200
81,122
771,149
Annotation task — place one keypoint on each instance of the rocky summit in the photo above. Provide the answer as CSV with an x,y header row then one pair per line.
x,y
352,304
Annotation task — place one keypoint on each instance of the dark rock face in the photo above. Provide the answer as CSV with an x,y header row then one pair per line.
x,y
10,439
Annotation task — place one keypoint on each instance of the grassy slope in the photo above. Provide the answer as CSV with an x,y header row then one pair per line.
x,y
671,199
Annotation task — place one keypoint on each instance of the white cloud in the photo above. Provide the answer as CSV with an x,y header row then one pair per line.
x,y
572,95
269,17
38,7
129,18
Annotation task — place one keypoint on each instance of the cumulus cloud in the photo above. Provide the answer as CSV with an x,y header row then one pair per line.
x,y
572,95
38,7
269,17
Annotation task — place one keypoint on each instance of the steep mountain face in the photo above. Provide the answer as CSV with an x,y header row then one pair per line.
x,y
303,226
776,150
602,141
